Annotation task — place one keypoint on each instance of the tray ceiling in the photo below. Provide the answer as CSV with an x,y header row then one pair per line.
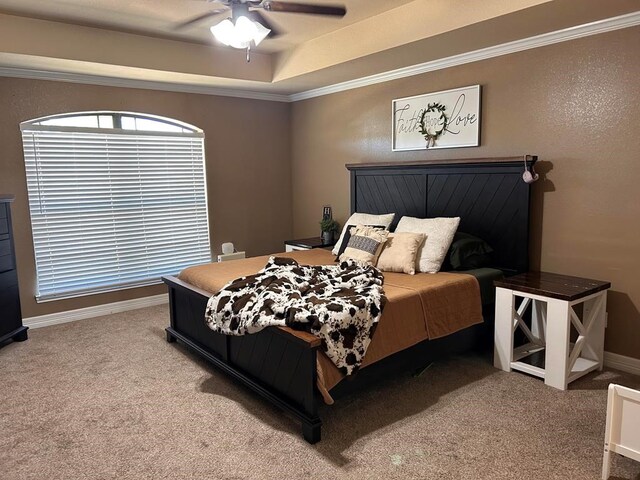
x,y
120,41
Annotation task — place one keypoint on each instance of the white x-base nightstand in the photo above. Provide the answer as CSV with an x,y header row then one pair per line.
x,y
553,301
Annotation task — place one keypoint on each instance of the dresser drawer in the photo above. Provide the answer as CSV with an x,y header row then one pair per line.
x,y
6,257
6,263
10,319
4,225
8,279
5,247
3,210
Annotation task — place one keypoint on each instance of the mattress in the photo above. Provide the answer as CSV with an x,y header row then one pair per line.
x,y
419,307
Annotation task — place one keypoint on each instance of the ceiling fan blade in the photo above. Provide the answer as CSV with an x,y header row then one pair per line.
x,y
258,17
274,6
200,18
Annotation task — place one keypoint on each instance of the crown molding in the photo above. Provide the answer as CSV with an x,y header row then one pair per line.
x,y
89,79
558,36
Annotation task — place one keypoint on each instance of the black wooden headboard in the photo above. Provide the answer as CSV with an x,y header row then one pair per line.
x,y
488,195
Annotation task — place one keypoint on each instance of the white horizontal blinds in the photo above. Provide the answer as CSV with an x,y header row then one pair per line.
x,y
113,210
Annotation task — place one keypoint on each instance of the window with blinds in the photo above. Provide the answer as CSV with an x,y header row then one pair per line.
x,y
116,200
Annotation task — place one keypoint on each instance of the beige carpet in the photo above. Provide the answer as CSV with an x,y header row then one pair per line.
x,y
109,398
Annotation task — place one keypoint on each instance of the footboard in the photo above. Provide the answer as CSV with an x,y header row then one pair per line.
x,y
277,363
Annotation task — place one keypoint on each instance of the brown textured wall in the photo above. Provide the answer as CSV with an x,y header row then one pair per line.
x,y
574,104
247,149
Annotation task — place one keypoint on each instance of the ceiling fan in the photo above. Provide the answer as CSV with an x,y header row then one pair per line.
x,y
247,25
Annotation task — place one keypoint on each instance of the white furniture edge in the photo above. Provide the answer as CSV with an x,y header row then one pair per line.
x,y
294,248
95,311
550,38
618,414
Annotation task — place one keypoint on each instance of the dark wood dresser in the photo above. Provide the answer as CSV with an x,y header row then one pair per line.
x,y
10,314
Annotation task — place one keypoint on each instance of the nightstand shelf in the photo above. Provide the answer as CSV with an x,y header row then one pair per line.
x,y
550,299
306,244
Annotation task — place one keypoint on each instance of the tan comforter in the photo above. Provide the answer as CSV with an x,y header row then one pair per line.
x,y
420,307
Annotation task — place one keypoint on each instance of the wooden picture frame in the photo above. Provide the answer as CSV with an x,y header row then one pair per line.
x,y
461,107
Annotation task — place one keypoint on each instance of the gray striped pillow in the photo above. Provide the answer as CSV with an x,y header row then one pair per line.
x,y
365,244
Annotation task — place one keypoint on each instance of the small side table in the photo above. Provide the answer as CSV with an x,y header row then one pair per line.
x,y
552,299
306,244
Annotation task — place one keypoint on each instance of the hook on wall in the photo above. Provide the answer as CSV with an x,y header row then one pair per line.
x,y
529,176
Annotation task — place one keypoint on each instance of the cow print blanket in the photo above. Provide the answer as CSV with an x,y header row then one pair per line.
x,y
340,304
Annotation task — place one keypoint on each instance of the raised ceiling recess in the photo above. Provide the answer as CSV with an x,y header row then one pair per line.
x,y
169,43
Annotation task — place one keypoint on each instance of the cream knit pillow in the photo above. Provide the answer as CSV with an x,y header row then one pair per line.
x,y
439,232
399,252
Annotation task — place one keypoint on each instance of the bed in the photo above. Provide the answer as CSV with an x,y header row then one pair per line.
x,y
286,366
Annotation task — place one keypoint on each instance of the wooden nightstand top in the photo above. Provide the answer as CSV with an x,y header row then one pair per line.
x,y
553,285
313,242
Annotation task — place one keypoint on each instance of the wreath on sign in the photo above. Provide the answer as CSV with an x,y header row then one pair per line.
x,y
443,121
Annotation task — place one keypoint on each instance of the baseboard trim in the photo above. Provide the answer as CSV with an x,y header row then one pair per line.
x,y
96,311
620,362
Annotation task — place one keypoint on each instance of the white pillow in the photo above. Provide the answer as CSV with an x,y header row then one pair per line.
x,y
364,219
439,232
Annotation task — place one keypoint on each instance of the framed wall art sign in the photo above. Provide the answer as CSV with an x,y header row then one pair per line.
x,y
447,119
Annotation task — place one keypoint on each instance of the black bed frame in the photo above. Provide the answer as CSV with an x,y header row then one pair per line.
x,y
488,194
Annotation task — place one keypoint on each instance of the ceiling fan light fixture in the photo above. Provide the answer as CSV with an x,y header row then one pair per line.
x,y
261,34
240,34
224,32
245,30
